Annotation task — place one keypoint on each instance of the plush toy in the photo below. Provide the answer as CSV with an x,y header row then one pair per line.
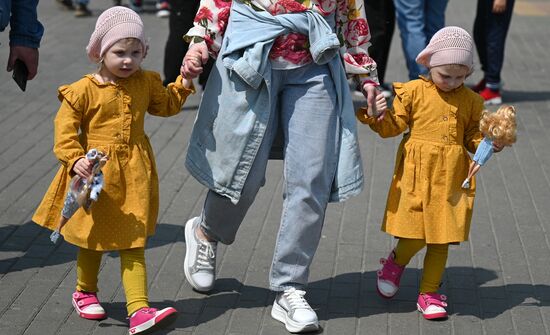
x,y
499,128
82,191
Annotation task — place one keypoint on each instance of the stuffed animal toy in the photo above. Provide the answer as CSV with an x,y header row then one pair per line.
x,y
82,191
499,128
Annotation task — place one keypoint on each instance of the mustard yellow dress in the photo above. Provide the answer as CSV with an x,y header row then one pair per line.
x,y
426,200
110,118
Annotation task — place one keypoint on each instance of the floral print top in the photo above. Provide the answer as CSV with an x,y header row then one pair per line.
x,y
292,50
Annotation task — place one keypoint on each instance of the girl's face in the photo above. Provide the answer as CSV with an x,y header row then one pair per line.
x,y
122,59
449,77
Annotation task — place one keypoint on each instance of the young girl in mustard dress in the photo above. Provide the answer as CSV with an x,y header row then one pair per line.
x,y
426,206
105,111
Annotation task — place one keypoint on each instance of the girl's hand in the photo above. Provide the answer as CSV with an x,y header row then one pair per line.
x,y
497,147
187,83
381,106
499,6
83,168
197,55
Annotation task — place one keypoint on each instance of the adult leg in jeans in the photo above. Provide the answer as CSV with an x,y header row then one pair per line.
x,y
435,17
310,124
221,218
412,27
480,31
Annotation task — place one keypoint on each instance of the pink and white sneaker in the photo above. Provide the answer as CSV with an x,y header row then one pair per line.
x,y
389,276
432,305
148,320
87,305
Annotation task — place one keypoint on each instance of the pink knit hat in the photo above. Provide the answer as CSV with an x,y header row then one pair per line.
x,y
112,25
450,45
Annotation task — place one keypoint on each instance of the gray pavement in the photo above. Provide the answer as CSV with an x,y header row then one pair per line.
x,y
497,283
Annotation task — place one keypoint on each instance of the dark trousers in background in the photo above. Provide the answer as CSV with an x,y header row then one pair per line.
x,y
381,18
181,18
490,32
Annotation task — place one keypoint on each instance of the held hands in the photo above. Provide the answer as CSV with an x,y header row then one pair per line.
x,y
376,103
197,55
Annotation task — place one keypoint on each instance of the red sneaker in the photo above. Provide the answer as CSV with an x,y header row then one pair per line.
x,y
479,86
491,97
148,320
432,305
87,306
389,276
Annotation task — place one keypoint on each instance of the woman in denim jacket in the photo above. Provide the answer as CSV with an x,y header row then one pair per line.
x,y
280,71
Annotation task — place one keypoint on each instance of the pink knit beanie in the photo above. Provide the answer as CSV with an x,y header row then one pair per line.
x,y
450,45
112,25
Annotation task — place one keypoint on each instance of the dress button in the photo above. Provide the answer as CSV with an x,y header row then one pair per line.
x,y
444,138
444,118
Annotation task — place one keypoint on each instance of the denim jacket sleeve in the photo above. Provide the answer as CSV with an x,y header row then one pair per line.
x,y
25,29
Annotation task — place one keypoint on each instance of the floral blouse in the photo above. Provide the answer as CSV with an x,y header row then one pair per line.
x,y
292,50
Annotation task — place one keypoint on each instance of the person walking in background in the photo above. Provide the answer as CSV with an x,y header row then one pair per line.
x,y
426,205
491,25
81,9
105,110
182,15
279,70
418,20
381,14
25,33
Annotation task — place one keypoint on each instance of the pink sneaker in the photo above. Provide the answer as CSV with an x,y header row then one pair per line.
x,y
148,320
432,305
87,306
389,276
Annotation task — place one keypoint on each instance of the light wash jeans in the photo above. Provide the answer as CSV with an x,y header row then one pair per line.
x,y
418,21
306,110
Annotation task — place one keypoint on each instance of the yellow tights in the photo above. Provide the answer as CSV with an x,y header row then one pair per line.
x,y
434,261
132,270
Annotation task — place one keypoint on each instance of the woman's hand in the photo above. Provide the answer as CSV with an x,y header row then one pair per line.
x,y
197,55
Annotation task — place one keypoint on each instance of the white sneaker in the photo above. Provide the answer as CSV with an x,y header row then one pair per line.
x,y
291,308
200,258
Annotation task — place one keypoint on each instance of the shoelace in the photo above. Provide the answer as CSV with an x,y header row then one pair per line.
x,y
206,256
296,299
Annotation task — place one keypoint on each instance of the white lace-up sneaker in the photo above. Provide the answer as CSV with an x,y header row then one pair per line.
x,y
200,258
291,308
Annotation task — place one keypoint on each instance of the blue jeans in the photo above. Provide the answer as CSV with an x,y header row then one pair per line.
x,y
305,108
418,21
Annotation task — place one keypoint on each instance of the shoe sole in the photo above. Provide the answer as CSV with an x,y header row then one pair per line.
x,y
279,314
434,316
189,235
494,101
160,322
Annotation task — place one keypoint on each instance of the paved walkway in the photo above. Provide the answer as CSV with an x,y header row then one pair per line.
x,y
498,283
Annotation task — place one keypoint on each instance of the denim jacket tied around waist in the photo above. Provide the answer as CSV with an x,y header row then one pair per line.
x,y
234,109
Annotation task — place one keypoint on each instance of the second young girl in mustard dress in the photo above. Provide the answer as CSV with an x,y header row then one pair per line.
x,y
426,206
